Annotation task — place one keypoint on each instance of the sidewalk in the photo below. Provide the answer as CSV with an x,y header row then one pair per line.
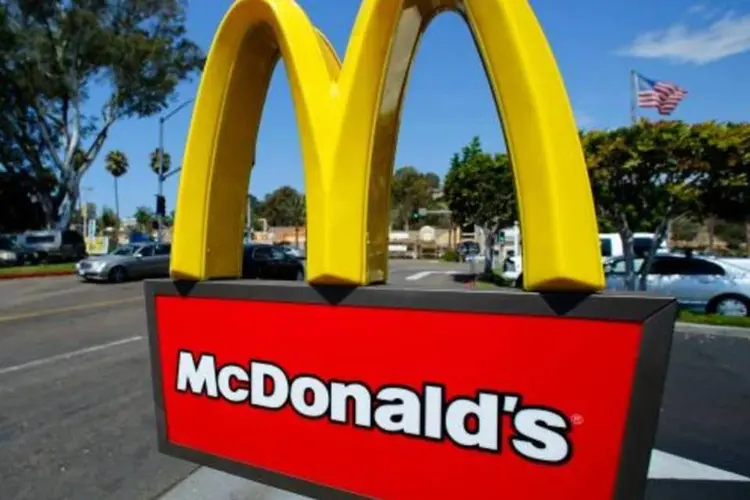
x,y
209,484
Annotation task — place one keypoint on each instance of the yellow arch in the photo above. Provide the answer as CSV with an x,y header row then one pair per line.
x,y
348,119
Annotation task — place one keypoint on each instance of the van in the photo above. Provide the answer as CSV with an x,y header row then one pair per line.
x,y
56,245
610,245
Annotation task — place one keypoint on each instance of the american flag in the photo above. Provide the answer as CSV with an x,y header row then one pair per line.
x,y
663,96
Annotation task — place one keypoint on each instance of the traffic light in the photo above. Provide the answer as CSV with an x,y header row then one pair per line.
x,y
501,237
161,205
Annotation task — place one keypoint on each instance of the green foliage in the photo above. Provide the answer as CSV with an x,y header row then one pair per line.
x,y
166,163
284,207
412,190
21,210
685,229
108,218
143,218
451,255
52,56
116,163
479,188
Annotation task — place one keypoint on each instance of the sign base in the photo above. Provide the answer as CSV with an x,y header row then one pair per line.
x,y
382,392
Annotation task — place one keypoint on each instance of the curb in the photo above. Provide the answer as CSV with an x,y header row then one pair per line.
x,y
704,329
14,276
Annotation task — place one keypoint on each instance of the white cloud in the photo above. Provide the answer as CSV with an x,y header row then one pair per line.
x,y
705,11
727,36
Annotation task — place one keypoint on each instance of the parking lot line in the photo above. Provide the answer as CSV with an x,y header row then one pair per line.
x,y
60,310
67,355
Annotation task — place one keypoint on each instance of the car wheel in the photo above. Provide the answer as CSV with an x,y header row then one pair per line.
x,y
519,282
118,274
729,305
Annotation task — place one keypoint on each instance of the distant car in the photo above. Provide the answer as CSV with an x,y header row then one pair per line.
x,y
702,284
56,246
13,253
468,250
271,262
132,261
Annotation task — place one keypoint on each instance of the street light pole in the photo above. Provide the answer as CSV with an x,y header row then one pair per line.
x,y
161,174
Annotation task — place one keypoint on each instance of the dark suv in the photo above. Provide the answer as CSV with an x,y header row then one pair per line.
x,y
271,262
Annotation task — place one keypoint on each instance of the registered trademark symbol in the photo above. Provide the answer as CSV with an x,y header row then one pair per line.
x,y
576,419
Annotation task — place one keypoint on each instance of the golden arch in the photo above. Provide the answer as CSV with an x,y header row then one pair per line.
x,y
348,118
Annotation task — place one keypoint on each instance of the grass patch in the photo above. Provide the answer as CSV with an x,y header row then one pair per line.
x,y
40,269
492,280
712,319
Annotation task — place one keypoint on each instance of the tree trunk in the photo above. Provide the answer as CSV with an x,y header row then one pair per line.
x,y
626,236
296,236
117,211
711,228
747,237
647,263
489,243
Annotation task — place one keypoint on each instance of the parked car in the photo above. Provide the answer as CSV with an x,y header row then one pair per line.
x,y
701,284
468,250
56,246
293,251
13,253
271,262
131,261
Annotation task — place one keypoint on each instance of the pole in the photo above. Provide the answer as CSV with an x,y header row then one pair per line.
x,y
249,221
633,97
160,176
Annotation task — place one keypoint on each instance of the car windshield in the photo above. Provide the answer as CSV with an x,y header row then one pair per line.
x,y
125,250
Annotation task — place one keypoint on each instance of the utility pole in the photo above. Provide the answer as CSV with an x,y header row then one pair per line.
x,y
162,176
249,220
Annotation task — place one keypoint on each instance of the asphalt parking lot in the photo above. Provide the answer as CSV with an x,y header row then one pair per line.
x,y
77,420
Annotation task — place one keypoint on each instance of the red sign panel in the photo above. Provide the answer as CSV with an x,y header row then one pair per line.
x,y
399,403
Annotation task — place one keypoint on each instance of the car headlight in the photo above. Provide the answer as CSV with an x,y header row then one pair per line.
x,y
98,266
5,255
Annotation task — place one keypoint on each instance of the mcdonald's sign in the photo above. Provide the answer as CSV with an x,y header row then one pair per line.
x,y
348,119
384,392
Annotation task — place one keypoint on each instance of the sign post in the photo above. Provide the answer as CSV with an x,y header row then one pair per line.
x,y
386,392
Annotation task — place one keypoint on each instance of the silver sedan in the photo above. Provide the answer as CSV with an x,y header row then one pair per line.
x,y
702,284
133,261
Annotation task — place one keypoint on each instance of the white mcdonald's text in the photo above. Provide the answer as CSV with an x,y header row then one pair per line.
x,y
539,434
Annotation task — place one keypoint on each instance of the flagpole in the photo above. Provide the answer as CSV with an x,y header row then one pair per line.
x,y
633,97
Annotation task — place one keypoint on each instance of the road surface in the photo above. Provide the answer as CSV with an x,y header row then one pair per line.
x,y
76,411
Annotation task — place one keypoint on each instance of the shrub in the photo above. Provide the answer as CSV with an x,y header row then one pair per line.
x,y
450,255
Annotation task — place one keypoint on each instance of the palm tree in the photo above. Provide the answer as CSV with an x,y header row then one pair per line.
x,y
117,164
154,160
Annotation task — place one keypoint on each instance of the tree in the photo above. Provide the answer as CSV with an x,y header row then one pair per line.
x,y
143,218
108,218
166,163
642,176
116,164
479,190
21,210
284,207
410,191
55,52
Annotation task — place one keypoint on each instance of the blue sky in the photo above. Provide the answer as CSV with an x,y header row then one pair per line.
x,y
704,47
